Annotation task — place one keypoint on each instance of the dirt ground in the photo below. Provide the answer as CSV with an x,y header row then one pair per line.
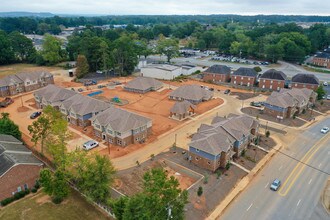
x,y
130,181
325,107
252,156
15,68
244,96
254,112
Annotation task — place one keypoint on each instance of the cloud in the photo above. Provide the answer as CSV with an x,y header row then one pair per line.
x,y
172,7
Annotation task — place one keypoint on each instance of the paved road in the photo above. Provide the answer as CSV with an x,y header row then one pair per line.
x,y
299,196
289,69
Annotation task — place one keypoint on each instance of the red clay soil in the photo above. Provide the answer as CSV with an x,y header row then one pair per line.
x,y
23,109
206,106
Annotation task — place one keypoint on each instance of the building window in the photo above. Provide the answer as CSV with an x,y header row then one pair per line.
x,y
241,77
263,86
109,131
118,133
271,81
110,140
197,158
209,163
197,150
119,142
264,80
235,77
19,189
26,186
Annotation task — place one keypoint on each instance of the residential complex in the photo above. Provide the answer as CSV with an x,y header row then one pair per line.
x,y
272,79
214,145
305,80
24,82
19,168
181,110
143,85
217,74
322,59
288,102
120,127
192,93
244,76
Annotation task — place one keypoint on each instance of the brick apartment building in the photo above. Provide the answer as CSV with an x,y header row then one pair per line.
x,y
217,74
244,77
19,169
305,80
24,82
322,59
272,79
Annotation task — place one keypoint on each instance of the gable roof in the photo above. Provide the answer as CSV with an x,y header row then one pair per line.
x,y
22,77
10,80
244,71
182,107
305,78
221,134
218,69
273,74
54,94
83,105
192,92
323,55
280,100
290,97
120,120
13,152
143,83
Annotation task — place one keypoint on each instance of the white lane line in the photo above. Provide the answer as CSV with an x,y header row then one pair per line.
x,y
249,207
266,185
280,168
320,165
299,202
310,182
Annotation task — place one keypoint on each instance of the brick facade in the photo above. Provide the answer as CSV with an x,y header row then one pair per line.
x,y
271,84
215,77
304,85
17,177
211,165
243,80
319,61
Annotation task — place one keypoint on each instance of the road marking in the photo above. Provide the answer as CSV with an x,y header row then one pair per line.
x,y
310,182
299,202
249,207
280,168
306,158
320,165
266,185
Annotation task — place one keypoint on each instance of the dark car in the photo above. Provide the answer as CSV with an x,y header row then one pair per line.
x,y
227,91
9,100
35,115
211,89
256,104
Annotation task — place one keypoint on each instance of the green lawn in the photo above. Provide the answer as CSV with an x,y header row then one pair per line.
x,y
39,206
15,68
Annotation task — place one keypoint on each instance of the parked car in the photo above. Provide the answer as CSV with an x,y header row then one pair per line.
x,y
275,185
211,89
100,86
90,145
90,82
325,130
117,82
80,90
256,104
325,83
328,97
227,91
35,115
9,100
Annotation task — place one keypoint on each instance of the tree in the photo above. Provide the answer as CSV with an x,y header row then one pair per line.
x,y
320,92
159,195
200,191
169,47
51,50
40,130
6,51
82,66
7,126
274,52
46,179
23,47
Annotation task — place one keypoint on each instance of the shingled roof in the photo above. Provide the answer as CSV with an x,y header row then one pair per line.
x,y
54,94
120,120
182,107
243,71
273,74
218,69
23,76
10,80
192,92
290,97
305,78
13,152
143,83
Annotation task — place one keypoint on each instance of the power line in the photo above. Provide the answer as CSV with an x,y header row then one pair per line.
x,y
299,161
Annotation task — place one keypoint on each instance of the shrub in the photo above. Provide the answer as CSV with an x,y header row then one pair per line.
x,y
267,133
218,174
200,191
228,165
206,179
57,200
303,111
7,201
243,153
34,190
37,184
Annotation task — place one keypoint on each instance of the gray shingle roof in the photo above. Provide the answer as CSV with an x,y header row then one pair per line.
x,y
21,77
305,78
218,69
120,120
5,138
280,100
83,105
54,94
323,55
220,135
290,97
10,80
192,92
243,71
143,83
182,107
273,74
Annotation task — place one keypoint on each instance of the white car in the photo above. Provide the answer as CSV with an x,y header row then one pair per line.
x,y
328,97
90,145
325,83
325,130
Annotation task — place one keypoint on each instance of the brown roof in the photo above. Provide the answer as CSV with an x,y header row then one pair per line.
x,y
143,83
192,92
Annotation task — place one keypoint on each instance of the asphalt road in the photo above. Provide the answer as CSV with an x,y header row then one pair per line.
x,y
289,69
302,186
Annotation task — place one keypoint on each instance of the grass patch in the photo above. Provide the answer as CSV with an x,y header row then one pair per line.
x,y
20,67
39,206
316,70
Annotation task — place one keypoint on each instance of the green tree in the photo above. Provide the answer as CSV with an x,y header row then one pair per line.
x,y
7,126
46,180
6,51
320,92
168,47
82,66
159,195
60,186
51,50
40,129
274,52
23,47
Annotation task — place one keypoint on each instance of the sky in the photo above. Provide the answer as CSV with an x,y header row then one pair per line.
x,y
169,7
